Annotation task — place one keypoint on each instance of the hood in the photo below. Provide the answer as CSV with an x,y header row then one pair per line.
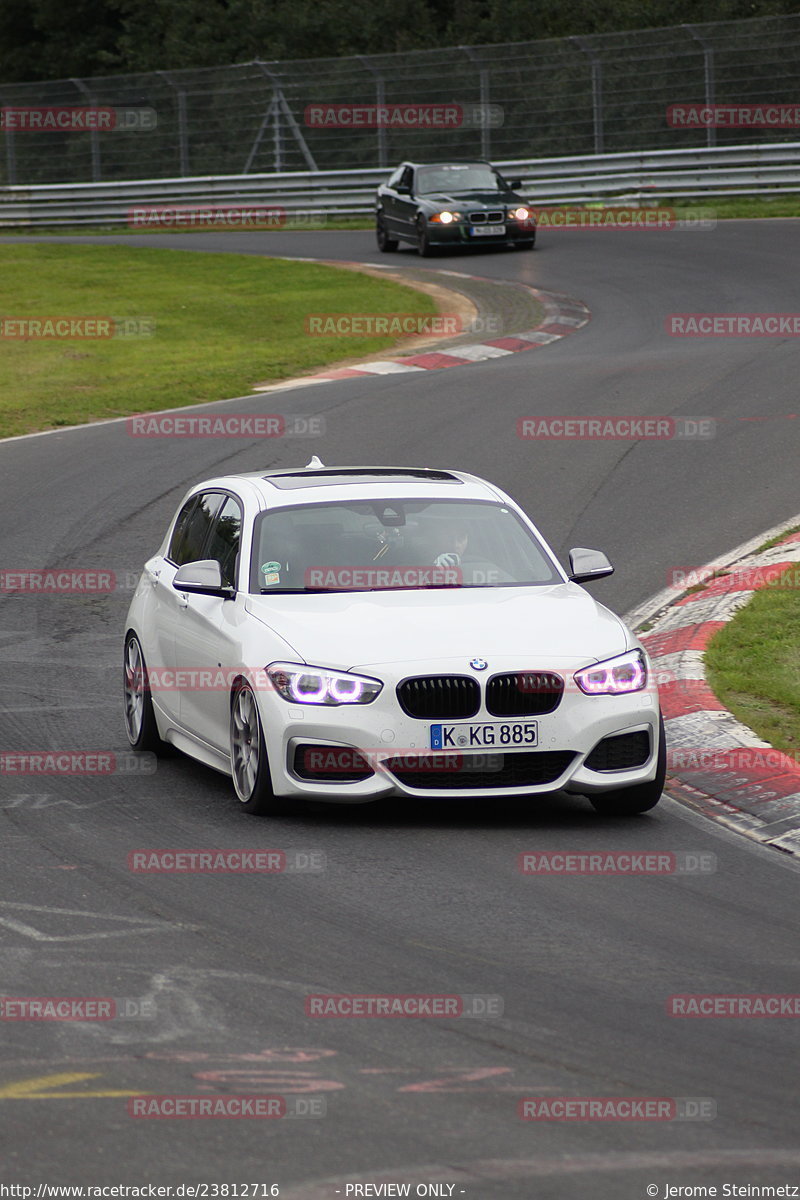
x,y
485,199
346,630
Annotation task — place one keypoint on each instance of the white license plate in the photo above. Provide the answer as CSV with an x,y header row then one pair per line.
x,y
497,734
488,230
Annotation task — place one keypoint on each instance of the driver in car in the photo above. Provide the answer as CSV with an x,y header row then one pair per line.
x,y
459,539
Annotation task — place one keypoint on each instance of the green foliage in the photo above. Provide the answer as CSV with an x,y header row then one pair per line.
x,y
46,39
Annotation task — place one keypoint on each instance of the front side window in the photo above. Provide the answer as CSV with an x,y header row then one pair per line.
x,y
223,545
386,544
192,527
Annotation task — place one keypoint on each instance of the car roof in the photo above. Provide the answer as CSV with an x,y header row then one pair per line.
x,y
317,483
449,162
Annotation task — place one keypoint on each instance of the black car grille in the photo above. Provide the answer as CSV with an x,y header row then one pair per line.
x,y
524,694
439,697
493,216
523,768
620,752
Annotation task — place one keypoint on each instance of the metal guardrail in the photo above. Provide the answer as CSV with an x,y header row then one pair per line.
x,y
754,170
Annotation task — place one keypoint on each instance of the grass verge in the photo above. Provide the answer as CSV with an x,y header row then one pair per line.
x,y
724,208
753,664
221,323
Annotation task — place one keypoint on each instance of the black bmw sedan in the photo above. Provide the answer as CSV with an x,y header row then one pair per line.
x,y
451,204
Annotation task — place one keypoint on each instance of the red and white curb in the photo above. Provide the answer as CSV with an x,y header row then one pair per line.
x,y
714,762
562,315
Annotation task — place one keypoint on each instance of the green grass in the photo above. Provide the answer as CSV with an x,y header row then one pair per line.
x,y
301,226
779,537
223,322
722,207
754,663
727,208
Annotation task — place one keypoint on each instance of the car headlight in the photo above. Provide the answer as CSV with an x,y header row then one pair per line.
x,y
615,676
445,218
318,685
519,214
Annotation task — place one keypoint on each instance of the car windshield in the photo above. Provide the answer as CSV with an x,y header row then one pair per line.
x,y
466,177
395,544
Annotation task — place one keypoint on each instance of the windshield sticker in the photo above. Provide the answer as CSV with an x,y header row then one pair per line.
x,y
272,578
269,567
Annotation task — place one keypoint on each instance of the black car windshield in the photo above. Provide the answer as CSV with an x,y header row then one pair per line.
x,y
464,177
390,544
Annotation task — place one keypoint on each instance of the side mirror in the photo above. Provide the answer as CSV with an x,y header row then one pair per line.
x,y
403,190
514,184
585,565
203,578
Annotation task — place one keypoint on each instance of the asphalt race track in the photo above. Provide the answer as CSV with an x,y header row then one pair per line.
x,y
420,899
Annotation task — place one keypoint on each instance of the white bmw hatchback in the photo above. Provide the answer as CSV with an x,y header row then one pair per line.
x,y
351,633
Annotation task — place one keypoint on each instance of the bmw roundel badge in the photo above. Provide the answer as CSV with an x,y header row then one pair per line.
x,y
478,664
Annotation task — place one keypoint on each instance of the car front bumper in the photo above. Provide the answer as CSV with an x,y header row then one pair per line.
x,y
462,233
381,731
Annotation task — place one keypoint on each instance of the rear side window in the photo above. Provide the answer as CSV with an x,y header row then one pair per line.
x,y
192,526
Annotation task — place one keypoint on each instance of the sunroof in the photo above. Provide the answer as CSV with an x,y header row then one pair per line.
x,y
333,475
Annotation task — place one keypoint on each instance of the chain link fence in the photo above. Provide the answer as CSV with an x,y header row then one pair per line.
x,y
598,94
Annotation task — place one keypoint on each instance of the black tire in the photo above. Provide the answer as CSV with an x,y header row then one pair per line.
x,y
385,244
423,241
627,802
140,720
526,245
249,764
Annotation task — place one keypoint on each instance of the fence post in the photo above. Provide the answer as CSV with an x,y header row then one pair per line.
x,y
597,90
708,76
483,84
380,100
94,137
183,135
11,154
